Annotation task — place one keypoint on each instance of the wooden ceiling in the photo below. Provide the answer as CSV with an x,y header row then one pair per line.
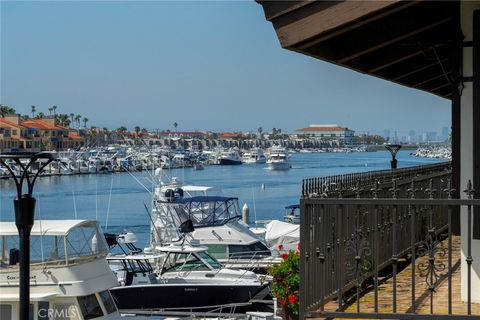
x,y
408,42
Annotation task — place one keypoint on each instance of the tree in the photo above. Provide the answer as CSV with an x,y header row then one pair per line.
x,y
63,120
6,110
54,108
40,115
137,130
34,109
175,125
72,116
85,120
122,129
77,119
50,110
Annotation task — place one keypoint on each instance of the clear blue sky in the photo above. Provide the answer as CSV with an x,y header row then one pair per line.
x,y
205,65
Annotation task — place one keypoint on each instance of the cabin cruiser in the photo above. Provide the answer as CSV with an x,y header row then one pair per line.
x,y
69,274
254,155
218,226
229,157
278,159
180,277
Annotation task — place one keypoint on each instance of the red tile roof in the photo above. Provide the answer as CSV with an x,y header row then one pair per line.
x,y
74,136
39,124
11,124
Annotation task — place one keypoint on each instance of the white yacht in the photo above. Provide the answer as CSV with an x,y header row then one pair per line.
x,y
217,222
69,275
254,155
180,277
278,159
229,157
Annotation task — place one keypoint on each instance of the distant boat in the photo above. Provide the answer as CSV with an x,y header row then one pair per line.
x,y
198,166
229,157
278,159
254,155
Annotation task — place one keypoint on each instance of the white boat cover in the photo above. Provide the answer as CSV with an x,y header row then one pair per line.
x,y
282,233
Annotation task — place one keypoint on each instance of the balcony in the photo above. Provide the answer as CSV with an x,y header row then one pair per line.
x,y
380,245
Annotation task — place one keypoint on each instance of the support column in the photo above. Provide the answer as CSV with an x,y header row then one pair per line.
x,y
469,144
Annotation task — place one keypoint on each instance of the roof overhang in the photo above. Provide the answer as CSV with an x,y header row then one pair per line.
x,y
406,42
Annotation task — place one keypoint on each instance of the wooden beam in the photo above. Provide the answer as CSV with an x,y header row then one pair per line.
x,y
446,84
416,70
275,9
438,76
319,18
395,61
394,40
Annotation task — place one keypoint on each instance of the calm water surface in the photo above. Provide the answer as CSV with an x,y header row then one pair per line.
x,y
117,200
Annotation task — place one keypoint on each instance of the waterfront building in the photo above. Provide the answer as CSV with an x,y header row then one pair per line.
x,y
328,132
33,135
424,45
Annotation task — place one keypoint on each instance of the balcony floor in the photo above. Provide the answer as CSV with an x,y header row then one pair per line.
x,y
422,294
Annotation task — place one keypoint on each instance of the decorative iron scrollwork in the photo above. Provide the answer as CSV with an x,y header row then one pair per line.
x,y
432,268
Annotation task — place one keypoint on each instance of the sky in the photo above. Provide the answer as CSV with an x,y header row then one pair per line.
x,y
206,65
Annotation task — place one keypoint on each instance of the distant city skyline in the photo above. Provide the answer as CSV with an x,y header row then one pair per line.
x,y
204,65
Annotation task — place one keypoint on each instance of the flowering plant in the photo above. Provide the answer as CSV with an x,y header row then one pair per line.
x,y
286,279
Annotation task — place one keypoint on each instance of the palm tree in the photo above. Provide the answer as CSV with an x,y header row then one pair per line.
x,y
54,108
77,119
50,111
175,125
72,116
34,109
40,115
85,120
137,130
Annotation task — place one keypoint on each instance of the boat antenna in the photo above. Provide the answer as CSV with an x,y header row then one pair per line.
x,y
74,203
109,200
151,220
96,200
254,206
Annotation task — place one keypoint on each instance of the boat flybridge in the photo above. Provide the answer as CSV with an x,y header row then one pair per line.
x,y
180,278
218,226
278,159
69,275
254,155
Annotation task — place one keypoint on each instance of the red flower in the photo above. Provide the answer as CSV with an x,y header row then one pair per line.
x,y
283,301
298,247
280,247
292,298
284,256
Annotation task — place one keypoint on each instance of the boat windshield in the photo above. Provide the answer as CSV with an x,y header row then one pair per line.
x,y
176,262
82,242
211,211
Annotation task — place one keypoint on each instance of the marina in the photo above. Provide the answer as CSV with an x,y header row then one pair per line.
x,y
117,200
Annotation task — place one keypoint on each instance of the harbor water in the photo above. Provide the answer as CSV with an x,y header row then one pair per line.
x,y
118,200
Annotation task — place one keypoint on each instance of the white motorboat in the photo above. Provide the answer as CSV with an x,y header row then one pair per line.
x,y
229,157
180,277
69,275
254,155
278,159
217,222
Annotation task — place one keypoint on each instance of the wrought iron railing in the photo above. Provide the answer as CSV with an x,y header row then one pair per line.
x,y
360,184
350,245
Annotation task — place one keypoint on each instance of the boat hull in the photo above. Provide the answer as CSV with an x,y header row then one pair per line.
x,y
229,162
279,165
178,297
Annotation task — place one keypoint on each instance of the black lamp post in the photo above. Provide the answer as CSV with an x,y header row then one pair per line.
x,y
24,215
393,148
